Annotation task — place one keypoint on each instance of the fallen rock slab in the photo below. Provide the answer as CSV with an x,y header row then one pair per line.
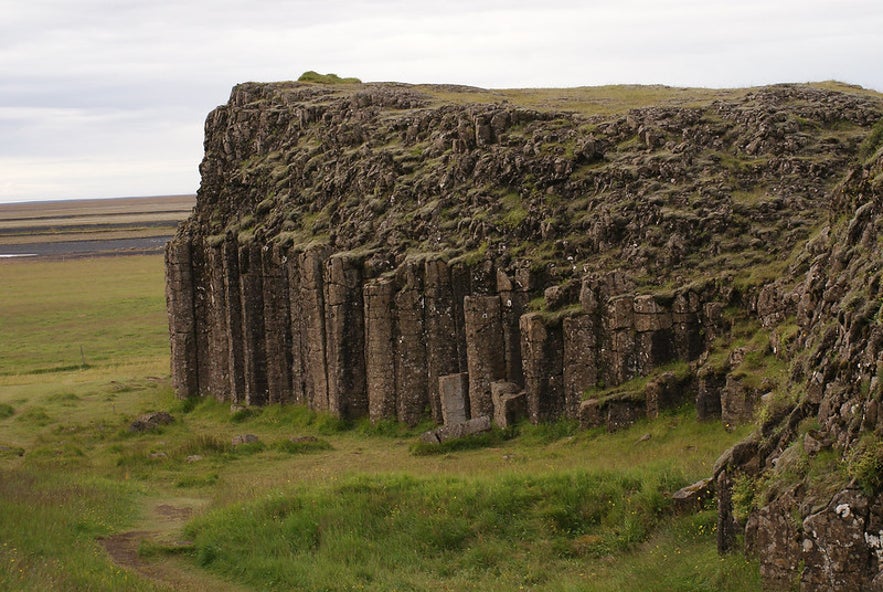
x,y
471,427
693,498
151,421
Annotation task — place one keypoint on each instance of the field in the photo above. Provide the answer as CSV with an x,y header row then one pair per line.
x,y
86,503
79,228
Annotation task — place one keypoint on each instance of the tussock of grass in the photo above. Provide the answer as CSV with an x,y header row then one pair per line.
x,y
402,532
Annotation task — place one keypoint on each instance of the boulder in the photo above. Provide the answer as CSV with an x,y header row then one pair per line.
x,y
151,421
244,439
695,497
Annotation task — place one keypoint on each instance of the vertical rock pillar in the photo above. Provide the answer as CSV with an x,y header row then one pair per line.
x,y
380,348
312,313
345,336
411,373
254,348
277,326
233,297
441,331
580,363
182,321
297,330
542,351
653,325
218,332
485,352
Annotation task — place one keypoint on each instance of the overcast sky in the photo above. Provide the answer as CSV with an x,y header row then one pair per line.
x,y
107,98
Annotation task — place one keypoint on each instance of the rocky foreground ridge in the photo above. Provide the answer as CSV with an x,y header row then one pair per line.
x,y
595,254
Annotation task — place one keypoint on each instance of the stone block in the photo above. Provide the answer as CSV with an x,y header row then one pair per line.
x,y
620,313
485,351
695,497
650,315
542,350
665,392
580,360
510,403
244,439
454,392
476,425
709,384
590,414
738,401
622,413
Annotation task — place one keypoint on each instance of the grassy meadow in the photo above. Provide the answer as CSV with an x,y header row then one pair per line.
x,y
316,503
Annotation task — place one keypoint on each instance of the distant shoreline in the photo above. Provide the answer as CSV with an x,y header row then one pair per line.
x,y
63,229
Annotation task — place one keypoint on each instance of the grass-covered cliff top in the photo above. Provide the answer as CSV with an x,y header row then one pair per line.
x,y
669,184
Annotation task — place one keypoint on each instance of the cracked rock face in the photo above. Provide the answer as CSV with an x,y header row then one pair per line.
x,y
354,247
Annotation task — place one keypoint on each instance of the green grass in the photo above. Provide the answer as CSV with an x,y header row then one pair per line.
x,y
318,503
49,526
316,78
58,315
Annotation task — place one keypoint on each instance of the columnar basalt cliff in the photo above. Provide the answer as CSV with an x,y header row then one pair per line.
x,y
364,249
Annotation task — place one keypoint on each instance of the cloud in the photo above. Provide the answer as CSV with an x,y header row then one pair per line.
x,y
107,85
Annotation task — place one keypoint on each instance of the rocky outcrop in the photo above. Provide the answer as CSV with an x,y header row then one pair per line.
x,y
395,252
812,513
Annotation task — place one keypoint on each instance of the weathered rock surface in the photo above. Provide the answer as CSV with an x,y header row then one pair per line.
x,y
151,421
470,427
353,248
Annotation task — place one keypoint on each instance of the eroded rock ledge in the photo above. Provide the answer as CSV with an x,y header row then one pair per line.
x,y
353,245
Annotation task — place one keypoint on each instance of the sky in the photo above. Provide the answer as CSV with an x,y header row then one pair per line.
x,y
107,98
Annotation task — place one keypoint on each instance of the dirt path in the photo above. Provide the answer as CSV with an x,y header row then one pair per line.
x,y
162,526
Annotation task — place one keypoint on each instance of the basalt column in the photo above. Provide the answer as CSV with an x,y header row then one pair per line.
x,y
182,321
233,296
654,340
201,305
485,351
312,308
410,370
380,348
580,370
620,362
514,299
542,350
686,327
345,336
277,326
218,332
297,329
254,349
441,330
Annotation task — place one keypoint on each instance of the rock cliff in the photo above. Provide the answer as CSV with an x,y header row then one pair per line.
x,y
609,252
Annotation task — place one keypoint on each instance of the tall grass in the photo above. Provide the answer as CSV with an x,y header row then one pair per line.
x,y
49,526
396,532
